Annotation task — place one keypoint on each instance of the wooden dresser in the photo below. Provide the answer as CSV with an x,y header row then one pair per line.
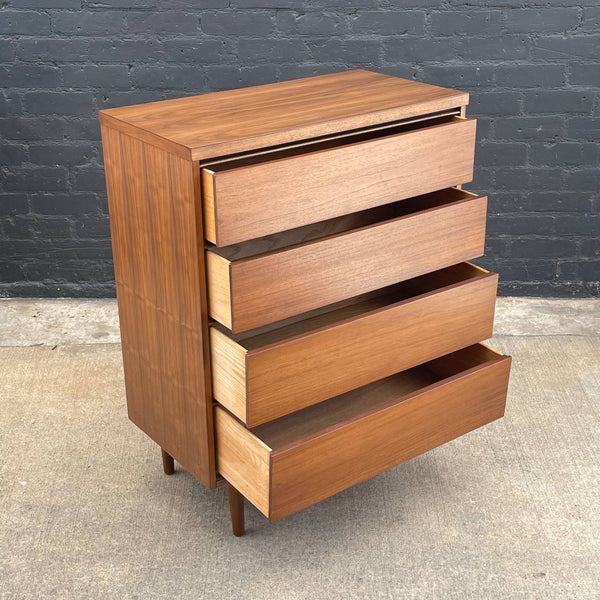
x,y
296,311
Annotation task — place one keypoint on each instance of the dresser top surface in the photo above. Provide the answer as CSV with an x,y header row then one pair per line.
x,y
245,119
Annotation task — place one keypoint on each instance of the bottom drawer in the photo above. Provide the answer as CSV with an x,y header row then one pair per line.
x,y
299,459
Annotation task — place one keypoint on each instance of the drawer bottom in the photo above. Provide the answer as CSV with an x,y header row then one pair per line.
x,y
299,459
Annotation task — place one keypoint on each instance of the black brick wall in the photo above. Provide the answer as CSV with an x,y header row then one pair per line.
x,y
532,66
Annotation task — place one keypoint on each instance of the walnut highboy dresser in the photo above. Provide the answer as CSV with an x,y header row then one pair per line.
x,y
297,313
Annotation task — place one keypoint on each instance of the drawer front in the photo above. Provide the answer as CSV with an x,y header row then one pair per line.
x,y
281,477
254,291
272,379
255,200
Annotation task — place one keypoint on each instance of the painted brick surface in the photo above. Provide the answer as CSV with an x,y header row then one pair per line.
x,y
532,67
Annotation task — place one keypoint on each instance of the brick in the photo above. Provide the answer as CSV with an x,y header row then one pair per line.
x,y
37,128
197,51
279,4
106,22
528,179
529,128
169,22
223,77
587,128
523,76
24,75
96,76
578,225
359,52
495,103
258,75
14,204
590,270
405,50
521,224
591,19
466,23
505,47
55,50
584,179
318,23
89,179
142,51
34,179
545,19
501,154
90,227
42,4
66,204
65,154
7,51
61,103
564,202
122,3
560,101
459,75
82,129
389,22
564,153
10,103
585,74
590,248
24,23
253,51
170,77
573,46
543,248
13,154
236,23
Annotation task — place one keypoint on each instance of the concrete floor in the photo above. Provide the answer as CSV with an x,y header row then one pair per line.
x,y
509,511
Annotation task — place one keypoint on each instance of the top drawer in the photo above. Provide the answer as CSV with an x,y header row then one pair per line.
x,y
254,196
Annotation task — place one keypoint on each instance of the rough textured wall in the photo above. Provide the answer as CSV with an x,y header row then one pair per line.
x,y
533,68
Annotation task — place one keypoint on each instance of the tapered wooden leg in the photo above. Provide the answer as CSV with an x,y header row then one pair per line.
x,y
236,506
168,463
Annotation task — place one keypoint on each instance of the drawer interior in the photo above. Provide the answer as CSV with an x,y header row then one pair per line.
x,y
333,314
340,225
303,424
299,459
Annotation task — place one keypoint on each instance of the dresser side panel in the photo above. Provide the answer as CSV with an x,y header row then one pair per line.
x,y
156,228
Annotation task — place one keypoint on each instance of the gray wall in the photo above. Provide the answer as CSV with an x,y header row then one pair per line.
x,y
533,68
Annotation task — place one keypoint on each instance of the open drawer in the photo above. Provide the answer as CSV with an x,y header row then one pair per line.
x,y
253,196
302,458
270,372
269,279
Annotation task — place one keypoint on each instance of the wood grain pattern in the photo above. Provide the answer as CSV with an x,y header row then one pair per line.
x,y
275,285
228,373
245,119
301,459
219,290
159,272
311,470
259,199
242,459
264,382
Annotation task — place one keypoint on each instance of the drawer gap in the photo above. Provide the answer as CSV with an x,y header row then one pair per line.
x,y
359,305
297,427
310,144
338,225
